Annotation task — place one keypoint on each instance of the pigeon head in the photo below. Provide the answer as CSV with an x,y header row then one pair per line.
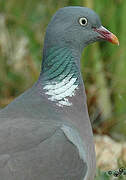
x,y
69,31
77,27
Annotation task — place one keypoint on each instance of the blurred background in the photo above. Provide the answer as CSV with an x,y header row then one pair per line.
x,y
22,28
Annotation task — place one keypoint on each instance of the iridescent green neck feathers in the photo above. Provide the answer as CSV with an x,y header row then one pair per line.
x,y
60,76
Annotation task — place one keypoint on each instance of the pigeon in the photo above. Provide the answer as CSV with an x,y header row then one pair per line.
x,y
45,133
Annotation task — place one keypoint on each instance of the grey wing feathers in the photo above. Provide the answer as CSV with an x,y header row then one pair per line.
x,y
55,158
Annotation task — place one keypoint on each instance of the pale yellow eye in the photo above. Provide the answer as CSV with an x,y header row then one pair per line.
x,y
83,21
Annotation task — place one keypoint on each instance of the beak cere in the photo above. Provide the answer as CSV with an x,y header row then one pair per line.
x,y
107,35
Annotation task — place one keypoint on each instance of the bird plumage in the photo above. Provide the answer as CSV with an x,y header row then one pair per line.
x,y
46,133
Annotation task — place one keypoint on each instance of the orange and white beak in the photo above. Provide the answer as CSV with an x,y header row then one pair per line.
x,y
107,35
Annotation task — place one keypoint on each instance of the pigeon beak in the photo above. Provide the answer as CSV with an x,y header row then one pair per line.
x,y
107,35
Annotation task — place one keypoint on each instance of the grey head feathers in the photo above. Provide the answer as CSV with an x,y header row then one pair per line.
x,y
64,28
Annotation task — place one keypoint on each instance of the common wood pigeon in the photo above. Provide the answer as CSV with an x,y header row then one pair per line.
x,y
45,134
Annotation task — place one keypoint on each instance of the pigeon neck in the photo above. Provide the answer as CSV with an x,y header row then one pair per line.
x,y
60,76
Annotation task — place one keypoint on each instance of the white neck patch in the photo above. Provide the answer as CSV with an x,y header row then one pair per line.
x,y
60,91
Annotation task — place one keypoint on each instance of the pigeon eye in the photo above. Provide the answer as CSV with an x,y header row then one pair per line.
x,y
83,21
